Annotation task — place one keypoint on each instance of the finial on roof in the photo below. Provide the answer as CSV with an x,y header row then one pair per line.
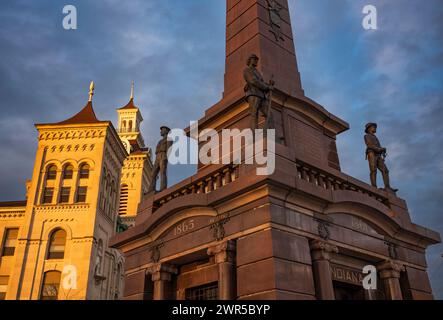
x,y
132,90
91,90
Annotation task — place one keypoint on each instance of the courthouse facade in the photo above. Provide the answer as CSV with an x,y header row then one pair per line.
x,y
304,232
88,179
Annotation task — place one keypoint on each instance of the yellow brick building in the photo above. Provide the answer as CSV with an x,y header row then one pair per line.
x,y
87,181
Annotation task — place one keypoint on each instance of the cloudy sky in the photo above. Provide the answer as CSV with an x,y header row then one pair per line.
x,y
174,50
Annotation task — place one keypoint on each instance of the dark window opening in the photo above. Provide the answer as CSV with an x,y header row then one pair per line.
x,y
205,292
52,173
84,171
64,194
48,193
68,172
10,242
51,285
81,194
57,245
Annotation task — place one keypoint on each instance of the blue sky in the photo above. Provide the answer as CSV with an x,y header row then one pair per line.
x,y
174,50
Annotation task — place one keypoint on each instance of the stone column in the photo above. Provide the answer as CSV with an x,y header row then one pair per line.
x,y
320,253
224,254
161,276
390,274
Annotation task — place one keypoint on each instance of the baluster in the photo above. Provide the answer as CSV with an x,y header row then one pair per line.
x,y
321,181
299,171
201,188
219,181
304,174
227,177
328,183
312,176
336,185
210,185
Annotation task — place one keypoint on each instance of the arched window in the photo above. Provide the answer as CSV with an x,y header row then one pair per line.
x,y
57,243
124,125
130,129
51,173
68,172
50,286
84,171
123,200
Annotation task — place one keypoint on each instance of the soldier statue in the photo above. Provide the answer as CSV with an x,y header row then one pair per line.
x,y
161,161
257,93
376,155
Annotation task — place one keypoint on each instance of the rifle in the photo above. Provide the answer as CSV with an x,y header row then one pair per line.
x,y
269,107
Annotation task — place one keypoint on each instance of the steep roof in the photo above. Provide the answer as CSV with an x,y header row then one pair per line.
x,y
130,105
85,116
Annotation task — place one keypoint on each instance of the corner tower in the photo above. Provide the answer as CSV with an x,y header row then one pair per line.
x,y
129,120
137,167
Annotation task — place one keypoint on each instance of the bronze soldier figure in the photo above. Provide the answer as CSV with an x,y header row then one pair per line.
x,y
376,155
161,161
256,91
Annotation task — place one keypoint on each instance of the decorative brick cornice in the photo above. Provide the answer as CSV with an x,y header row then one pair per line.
x,y
63,208
12,215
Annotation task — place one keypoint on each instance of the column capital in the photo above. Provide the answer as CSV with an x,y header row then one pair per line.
x,y
390,269
223,252
161,271
321,250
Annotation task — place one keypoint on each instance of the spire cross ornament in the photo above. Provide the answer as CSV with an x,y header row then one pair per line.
x,y
91,90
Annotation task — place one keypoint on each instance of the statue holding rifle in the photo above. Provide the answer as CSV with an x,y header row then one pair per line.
x,y
376,155
258,94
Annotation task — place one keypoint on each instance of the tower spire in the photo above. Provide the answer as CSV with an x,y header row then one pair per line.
x,y
91,91
132,90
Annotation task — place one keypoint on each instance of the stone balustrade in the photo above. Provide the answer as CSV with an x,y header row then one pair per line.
x,y
328,181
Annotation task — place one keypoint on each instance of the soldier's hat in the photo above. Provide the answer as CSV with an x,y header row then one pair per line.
x,y
252,56
369,125
165,127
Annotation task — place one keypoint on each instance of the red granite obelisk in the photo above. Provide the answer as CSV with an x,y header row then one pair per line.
x,y
250,29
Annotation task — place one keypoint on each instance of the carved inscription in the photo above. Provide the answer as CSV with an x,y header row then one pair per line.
x,y
184,227
347,275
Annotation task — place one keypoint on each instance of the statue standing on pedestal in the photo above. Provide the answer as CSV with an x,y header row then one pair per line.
x,y
376,155
161,161
258,93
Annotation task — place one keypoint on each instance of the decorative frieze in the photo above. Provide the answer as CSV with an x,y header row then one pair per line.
x,y
71,135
